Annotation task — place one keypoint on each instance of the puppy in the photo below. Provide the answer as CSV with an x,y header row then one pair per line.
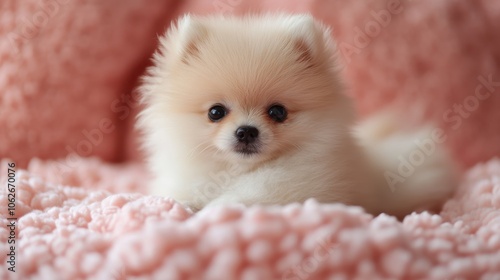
x,y
251,110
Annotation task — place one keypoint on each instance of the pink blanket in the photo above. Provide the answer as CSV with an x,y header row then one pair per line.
x,y
93,232
67,106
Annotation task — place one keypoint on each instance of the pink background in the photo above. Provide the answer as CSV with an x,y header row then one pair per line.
x,y
65,65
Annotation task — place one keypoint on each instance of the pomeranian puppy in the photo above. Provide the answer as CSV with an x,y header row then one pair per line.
x,y
251,110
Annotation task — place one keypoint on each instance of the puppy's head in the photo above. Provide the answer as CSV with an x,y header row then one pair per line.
x,y
247,89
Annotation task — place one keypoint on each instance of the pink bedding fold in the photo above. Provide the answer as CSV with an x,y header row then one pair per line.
x,y
94,232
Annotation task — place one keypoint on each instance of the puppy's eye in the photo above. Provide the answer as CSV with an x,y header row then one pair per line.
x,y
216,113
277,113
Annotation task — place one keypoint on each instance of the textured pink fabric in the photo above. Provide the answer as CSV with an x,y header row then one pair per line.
x,y
64,66
92,232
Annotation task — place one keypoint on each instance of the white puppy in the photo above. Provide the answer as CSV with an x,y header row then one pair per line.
x,y
251,110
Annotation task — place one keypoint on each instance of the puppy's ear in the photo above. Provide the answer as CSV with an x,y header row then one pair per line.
x,y
308,38
191,34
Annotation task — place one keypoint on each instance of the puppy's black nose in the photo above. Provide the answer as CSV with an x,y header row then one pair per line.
x,y
247,134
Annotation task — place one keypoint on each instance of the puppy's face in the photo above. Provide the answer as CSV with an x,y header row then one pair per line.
x,y
248,91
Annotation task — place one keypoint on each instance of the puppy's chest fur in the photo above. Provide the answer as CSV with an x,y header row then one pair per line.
x,y
327,176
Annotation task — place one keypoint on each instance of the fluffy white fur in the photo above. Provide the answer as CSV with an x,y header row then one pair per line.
x,y
247,64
